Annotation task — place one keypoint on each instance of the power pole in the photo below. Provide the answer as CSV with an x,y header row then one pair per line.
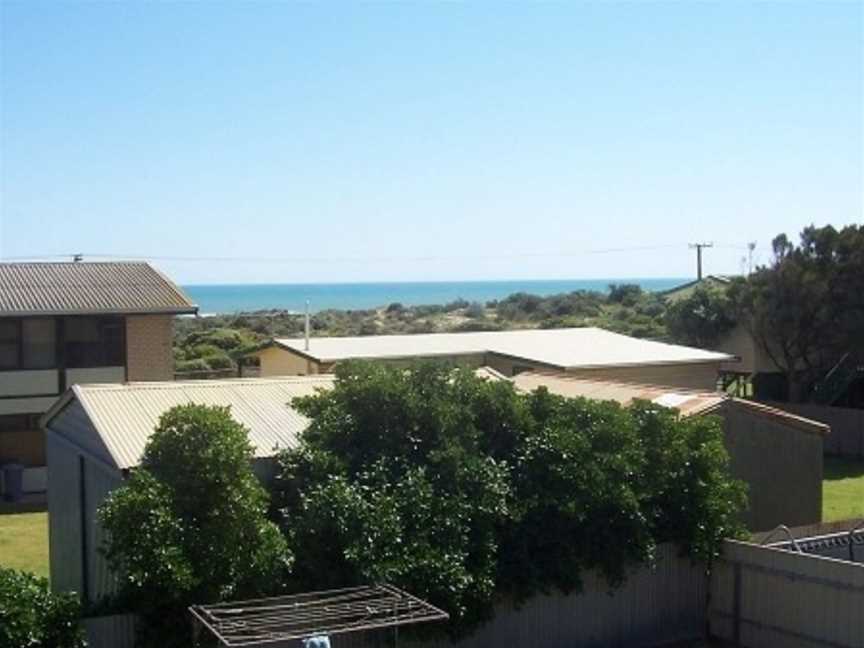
x,y
698,247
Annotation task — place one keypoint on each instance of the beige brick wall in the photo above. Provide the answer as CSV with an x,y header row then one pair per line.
x,y
148,347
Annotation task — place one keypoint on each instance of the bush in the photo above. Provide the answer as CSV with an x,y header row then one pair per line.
x,y
189,366
625,294
702,318
190,526
461,489
30,615
475,311
221,361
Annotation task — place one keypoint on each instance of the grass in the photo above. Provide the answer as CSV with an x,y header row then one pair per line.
x,y
24,542
842,489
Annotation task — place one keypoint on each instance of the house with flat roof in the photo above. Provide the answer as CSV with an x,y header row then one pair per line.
x,y
79,322
587,352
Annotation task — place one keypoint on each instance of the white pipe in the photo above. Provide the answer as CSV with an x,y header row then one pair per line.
x,y
307,325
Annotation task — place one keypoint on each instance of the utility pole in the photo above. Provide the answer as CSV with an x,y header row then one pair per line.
x,y
698,247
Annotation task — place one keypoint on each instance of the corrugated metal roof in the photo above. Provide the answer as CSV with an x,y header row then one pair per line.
x,y
125,415
564,348
84,287
688,402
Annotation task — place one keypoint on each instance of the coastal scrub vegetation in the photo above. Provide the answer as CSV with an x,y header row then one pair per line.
x,y
462,489
223,342
805,310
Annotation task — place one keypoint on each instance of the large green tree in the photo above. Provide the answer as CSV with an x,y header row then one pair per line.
x,y
806,308
461,489
701,318
190,524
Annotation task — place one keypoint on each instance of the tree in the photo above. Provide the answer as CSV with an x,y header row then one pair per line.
x,y
701,318
396,480
190,524
460,489
806,308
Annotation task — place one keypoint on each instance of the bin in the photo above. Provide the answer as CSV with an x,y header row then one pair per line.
x,y
13,482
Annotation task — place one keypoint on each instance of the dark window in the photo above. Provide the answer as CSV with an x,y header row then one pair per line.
x,y
94,342
38,343
28,343
9,337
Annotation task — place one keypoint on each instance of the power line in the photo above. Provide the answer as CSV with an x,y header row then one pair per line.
x,y
388,259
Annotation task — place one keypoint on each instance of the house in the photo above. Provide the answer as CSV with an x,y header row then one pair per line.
x,y
96,433
778,454
585,352
79,322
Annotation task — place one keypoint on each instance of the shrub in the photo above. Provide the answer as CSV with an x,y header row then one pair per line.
x,y
189,366
190,525
30,615
220,361
625,294
459,488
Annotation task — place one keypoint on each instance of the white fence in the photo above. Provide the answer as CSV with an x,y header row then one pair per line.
x,y
763,597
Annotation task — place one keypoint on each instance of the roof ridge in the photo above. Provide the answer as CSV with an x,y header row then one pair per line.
x,y
210,384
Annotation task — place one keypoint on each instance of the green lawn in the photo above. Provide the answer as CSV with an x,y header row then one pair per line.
x,y
24,542
842,489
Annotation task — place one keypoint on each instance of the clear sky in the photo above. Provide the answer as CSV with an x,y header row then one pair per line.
x,y
427,141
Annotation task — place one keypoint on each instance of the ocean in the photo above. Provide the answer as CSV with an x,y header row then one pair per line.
x,y
234,298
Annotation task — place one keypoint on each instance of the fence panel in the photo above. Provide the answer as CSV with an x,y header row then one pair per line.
x,y
116,631
763,597
658,605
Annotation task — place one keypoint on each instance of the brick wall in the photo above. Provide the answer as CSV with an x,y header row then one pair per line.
x,y
148,347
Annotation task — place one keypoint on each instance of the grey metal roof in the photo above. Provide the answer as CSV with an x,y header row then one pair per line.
x,y
84,287
125,415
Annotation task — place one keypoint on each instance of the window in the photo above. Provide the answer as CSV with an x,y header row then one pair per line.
x,y
95,342
9,335
38,343
27,343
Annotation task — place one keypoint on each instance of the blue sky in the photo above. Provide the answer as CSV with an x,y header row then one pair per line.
x,y
426,141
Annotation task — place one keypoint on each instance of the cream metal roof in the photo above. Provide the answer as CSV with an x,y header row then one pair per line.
x,y
688,402
125,415
84,287
563,348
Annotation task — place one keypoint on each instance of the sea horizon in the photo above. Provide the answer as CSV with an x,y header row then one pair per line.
x,y
221,299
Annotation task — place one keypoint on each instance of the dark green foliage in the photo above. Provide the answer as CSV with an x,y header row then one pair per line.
x,y
459,488
701,318
806,309
188,366
31,616
625,294
190,524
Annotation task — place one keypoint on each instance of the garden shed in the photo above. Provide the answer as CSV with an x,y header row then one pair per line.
x,y
96,433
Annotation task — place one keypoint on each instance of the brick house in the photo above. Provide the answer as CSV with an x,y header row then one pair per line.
x,y
67,323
